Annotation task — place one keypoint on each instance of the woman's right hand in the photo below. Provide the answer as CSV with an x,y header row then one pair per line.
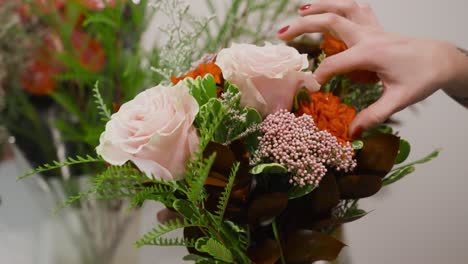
x,y
410,69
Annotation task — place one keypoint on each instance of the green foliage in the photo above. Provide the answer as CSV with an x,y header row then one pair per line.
x,y
224,199
168,242
197,180
103,111
57,165
403,152
239,122
269,168
214,248
202,89
400,172
295,192
357,144
154,236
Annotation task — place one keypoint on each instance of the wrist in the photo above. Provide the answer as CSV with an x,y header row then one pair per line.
x,y
457,81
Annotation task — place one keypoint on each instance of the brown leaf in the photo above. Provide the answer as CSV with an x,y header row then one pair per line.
x,y
267,252
305,246
267,206
359,186
378,154
325,197
225,158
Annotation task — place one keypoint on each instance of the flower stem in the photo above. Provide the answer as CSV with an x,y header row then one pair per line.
x,y
277,237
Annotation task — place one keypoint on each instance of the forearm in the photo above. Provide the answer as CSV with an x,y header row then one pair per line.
x,y
458,86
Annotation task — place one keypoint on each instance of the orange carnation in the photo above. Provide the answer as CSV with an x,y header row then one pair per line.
x,y
329,114
331,46
202,70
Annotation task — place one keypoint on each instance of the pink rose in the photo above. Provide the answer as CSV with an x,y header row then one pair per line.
x,y
155,131
268,77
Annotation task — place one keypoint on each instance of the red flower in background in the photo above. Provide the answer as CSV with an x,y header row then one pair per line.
x,y
97,5
331,46
39,78
90,52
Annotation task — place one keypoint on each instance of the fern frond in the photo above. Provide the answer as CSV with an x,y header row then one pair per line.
x,y
103,110
57,165
162,192
163,229
200,171
168,242
224,199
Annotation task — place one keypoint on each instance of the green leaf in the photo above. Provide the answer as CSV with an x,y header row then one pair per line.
x,y
297,191
224,199
57,165
426,159
187,209
398,175
202,89
403,152
102,107
269,168
214,248
358,144
302,95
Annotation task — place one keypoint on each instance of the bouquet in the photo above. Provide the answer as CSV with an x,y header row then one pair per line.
x,y
250,154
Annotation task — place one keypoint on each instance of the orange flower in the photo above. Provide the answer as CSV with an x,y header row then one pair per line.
x,y
329,114
202,70
89,50
331,46
39,78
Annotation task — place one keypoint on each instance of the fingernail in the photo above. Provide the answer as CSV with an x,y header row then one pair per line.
x,y
357,132
304,7
281,31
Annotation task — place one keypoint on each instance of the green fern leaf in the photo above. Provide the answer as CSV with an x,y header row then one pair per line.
x,y
168,242
161,230
196,191
103,110
224,199
214,248
57,165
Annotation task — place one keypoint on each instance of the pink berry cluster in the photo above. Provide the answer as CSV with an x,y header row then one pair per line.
x,y
297,144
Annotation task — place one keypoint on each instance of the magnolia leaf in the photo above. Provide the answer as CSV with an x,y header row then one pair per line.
x,y
202,89
378,155
187,209
357,144
266,252
267,206
359,186
325,197
403,152
297,191
269,168
305,246
224,160
398,175
333,222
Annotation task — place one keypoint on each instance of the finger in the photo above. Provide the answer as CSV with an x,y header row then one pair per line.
x,y
359,13
346,8
341,27
375,114
344,62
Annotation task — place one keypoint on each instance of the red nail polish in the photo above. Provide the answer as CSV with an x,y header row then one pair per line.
x,y
304,7
281,31
357,132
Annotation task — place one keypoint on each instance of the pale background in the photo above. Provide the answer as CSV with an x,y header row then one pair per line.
x,y
422,219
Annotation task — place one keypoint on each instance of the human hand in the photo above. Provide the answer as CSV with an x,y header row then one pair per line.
x,y
410,69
